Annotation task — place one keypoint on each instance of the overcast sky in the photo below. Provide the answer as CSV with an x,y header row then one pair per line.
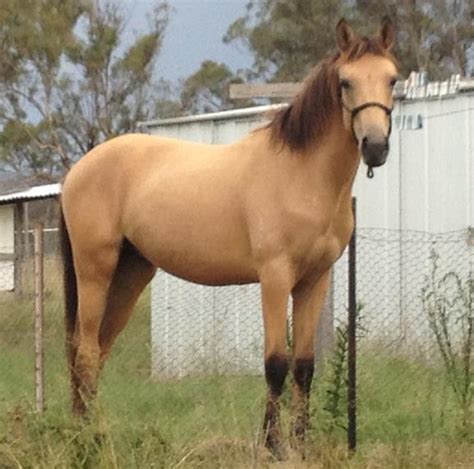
x,y
194,34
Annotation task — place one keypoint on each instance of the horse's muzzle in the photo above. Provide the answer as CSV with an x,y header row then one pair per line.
x,y
374,152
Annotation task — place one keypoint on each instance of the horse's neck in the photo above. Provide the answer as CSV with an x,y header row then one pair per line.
x,y
334,160
329,166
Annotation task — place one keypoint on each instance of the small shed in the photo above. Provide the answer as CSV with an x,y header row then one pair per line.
x,y
15,230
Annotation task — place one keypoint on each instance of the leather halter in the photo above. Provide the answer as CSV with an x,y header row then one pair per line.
x,y
353,112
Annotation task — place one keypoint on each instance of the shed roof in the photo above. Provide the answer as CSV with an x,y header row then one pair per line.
x,y
211,116
33,193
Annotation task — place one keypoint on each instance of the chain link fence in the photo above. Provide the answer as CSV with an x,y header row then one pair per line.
x,y
192,356
415,327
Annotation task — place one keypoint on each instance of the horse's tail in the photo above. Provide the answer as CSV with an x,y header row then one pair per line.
x,y
70,289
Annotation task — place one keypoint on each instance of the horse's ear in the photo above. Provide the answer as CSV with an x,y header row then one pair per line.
x,y
344,35
387,33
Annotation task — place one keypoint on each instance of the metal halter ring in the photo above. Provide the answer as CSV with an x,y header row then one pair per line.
x,y
356,110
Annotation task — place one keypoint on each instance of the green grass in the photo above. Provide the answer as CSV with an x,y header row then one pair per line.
x,y
407,414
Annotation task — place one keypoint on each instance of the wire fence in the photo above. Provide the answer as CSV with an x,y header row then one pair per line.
x,y
415,294
202,347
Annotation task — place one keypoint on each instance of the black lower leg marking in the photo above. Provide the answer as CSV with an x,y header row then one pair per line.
x,y
276,369
303,374
304,371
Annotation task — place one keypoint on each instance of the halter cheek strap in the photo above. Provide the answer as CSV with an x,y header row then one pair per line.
x,y
353,112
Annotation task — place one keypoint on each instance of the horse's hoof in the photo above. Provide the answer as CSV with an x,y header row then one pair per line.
x,y
276,448
298,438
79,410
299,447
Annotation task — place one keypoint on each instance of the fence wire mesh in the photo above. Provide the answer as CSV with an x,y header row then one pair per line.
x,y
415,298
191,357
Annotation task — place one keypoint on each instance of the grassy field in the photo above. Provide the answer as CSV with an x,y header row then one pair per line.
x,y
407,416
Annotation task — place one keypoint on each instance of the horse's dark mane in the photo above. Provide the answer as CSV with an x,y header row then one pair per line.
x,y
307,116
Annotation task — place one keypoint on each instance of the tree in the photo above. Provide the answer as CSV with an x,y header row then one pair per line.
x,y
67,81
433,35
207,90
455,43
166,99
287,38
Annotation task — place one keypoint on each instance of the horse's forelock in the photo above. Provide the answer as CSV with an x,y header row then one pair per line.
x,y
366,45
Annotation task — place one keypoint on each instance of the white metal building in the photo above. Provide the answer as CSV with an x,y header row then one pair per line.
x,y
7,248
425,189
12,210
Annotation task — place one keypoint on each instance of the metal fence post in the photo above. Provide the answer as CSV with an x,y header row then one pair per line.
x,y
39,317
19,250
351,339
26,231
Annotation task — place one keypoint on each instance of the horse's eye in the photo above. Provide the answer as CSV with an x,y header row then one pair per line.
x,y
393,82
345,84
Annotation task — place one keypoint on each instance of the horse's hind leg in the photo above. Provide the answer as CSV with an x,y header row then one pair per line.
x,y
308,298
95,263
132,275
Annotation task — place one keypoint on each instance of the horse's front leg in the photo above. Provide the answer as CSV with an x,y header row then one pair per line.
x,y
308,298
276,284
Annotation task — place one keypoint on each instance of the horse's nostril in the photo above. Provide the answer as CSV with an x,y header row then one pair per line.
x,y
374,145
374,151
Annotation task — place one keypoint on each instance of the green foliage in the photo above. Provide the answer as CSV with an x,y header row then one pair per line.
x,y
336,385
21,143
433,35
67,81
335,382
140,54
286,38
448,302
207,90
165,104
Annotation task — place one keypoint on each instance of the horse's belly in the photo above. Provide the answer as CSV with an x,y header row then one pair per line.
x,y
203,268
206,272
205,255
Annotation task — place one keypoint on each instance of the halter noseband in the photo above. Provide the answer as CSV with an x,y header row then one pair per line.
x,y
353,112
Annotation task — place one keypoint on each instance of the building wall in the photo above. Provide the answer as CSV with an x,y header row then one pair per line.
x,y
7,248
424,192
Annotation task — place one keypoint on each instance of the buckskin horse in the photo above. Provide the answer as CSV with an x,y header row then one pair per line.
x,y
273,208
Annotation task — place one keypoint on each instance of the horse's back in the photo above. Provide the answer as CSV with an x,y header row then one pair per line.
x,y
125,164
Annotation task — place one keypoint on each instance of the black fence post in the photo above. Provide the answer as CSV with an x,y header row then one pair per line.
x,y
351,339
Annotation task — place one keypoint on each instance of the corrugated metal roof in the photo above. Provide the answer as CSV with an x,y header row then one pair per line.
x,y
34,193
